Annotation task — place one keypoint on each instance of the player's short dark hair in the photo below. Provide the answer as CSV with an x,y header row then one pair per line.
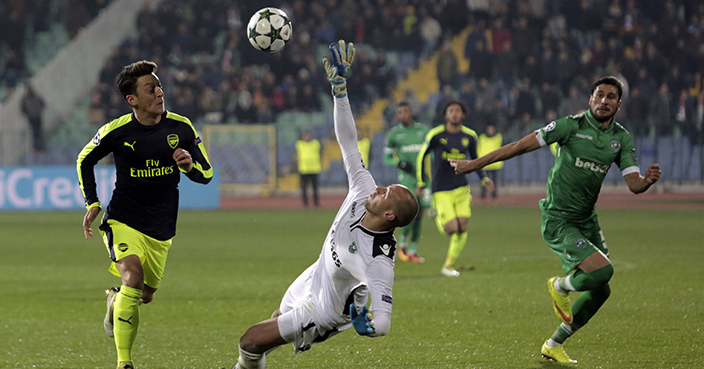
x,y
406,209
404,103
455,102
609,80
126,81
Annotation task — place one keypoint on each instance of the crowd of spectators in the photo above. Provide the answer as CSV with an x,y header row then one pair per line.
x,y
22,20
524,70
211,72
527,70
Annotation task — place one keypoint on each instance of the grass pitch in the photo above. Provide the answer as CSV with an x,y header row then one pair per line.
x,y
228,270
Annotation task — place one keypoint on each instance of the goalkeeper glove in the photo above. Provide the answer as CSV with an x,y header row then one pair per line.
x,y
362,323
407,167
337,67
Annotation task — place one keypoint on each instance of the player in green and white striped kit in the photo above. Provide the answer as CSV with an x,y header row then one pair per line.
x,y
588,144
403,142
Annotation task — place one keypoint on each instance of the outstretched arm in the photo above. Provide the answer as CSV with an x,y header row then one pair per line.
x,y
345,129
526,144
639,184
337,68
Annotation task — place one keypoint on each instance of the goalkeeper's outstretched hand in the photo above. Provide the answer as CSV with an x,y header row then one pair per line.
x,y
337,67
362,322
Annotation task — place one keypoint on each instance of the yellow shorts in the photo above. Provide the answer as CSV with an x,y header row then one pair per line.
x,y
122,240
450,205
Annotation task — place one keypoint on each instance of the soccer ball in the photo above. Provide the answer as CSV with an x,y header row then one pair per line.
x,y
269,30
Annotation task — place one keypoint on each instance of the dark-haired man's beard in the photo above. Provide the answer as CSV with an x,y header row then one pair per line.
x,y
602,119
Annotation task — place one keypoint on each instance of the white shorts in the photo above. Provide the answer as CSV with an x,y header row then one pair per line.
x,y
301,322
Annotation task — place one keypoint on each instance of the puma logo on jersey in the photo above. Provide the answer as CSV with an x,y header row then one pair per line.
x,y
594,167
130,145
126,321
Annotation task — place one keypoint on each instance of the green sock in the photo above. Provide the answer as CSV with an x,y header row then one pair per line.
x,y
126,321
563,332
581,281
417,226
412,247
588,303
457,241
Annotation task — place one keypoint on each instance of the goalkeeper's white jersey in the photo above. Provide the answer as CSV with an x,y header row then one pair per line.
x,y
355,263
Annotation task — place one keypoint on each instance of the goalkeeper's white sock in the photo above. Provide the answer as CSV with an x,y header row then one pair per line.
x,y
248,360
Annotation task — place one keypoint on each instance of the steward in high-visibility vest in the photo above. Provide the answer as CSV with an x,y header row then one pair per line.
x,y
488,142
308,158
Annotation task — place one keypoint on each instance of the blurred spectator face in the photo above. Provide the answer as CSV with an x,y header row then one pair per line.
x,y
454,114
525,119
404,115
664,89
490,130
550,115
484,83
447,91
604,102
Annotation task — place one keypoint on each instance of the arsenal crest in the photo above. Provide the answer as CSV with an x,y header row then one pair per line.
x,y
172,139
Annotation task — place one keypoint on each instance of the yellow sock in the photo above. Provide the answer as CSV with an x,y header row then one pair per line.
x,y
126,321
457,241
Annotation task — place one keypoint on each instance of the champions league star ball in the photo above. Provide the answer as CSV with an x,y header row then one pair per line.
x,y
269,30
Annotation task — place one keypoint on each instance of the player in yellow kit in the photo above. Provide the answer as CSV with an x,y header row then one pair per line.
x,y
151,147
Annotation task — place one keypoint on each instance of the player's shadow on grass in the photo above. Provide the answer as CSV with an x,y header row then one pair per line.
x,y
549,364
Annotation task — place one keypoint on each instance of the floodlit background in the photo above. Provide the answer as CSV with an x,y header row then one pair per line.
x,y
517,64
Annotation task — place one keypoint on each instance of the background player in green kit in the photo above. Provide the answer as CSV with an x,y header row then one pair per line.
x,y
588,144
403,142
151,147
451,198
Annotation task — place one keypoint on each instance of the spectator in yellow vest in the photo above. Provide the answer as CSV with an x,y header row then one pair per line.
x,y
309,166
488,142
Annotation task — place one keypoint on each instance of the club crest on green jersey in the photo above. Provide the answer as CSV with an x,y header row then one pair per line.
x,y
172,139
615,145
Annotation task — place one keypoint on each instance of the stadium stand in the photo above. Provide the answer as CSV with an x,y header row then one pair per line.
x,y
214,77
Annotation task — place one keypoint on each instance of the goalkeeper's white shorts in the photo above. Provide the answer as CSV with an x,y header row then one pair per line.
x,y
302,322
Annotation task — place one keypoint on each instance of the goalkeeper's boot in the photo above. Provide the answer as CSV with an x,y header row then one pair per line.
x,y
556,353
125,365
449,272
403,254
110,295
414,258
560,302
